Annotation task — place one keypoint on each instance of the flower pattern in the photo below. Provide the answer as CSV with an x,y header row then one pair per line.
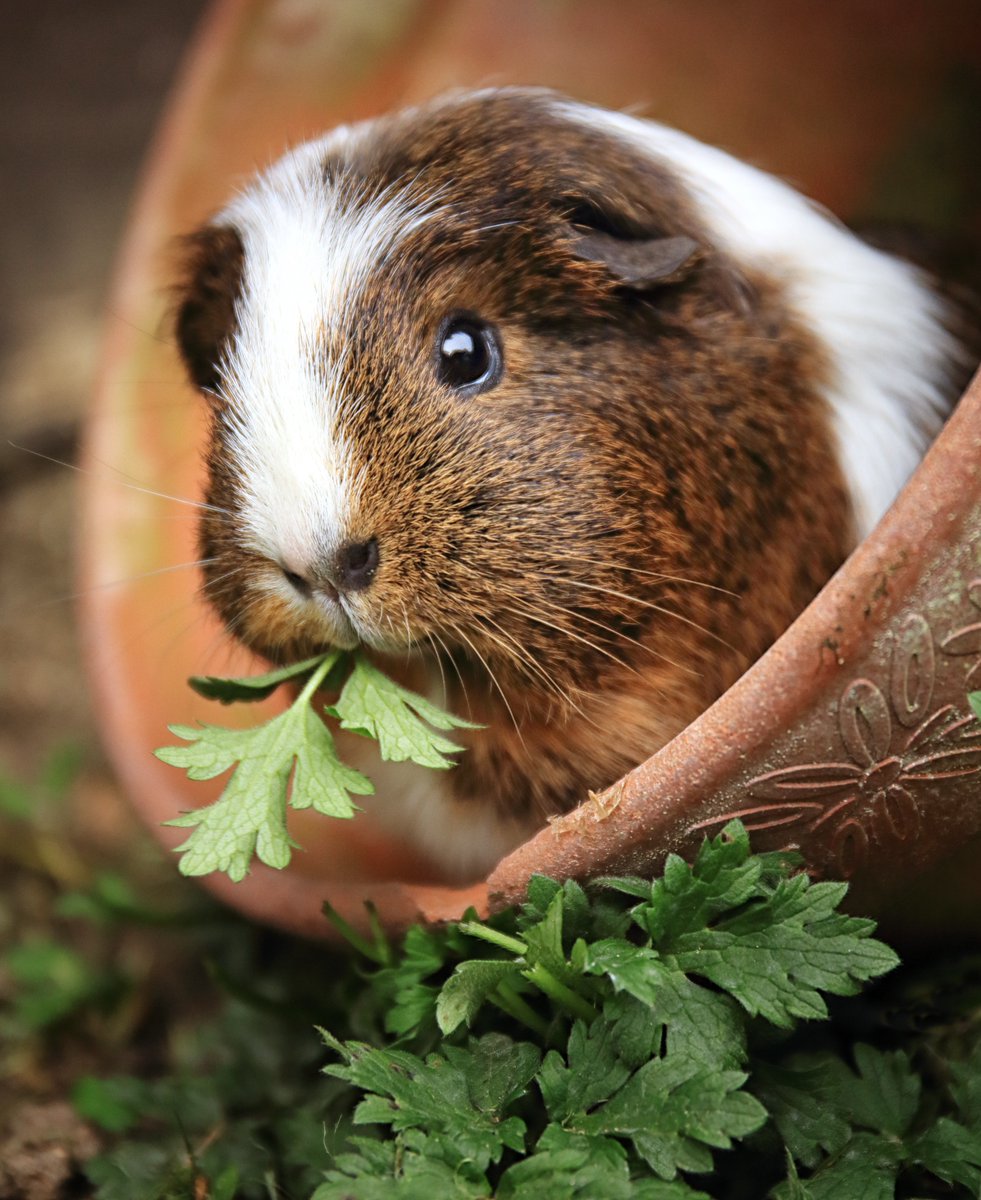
x,y
968,639
895,740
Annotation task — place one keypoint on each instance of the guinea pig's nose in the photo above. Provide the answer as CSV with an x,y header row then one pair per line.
x,y
355,565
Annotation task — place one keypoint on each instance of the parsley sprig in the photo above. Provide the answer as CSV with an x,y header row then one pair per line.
x,y
613,1043
292,759
521,1097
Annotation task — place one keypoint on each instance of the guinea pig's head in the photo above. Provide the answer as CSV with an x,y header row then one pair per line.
x,y
472,371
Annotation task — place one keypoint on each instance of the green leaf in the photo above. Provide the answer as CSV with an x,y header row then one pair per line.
x,y
974,699
865,1170
372,704
497,1069
257,687
581,915
412,1003
106,1104
250,816
951,1152
459,1095
802,1098
724,876
410,1166
566,1165
674,1111
135,1169
543,940
966,1084
225,1187
466,990
594,1072
16,799
53,982
777,955
862,1119
792,1188
660,1189
701,1024
884,1094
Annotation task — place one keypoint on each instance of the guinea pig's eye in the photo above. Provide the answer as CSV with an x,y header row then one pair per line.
x,y
469,355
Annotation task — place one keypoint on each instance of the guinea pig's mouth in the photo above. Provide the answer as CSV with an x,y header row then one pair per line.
x,y
343,634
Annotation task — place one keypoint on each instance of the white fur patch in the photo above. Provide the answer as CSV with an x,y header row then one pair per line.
x,y
465,839
881,326
310,245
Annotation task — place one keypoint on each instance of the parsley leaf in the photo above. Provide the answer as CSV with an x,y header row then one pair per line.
x,y
292,758
376,706
673,1110
645,1075
566,1165
255,687
705,1025
459,1094
250,816
857,1128
776,956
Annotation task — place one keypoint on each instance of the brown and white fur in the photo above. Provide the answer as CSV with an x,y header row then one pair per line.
x,y
708,391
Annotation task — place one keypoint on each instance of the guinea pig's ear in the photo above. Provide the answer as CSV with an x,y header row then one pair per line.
x,y
205,317
634,259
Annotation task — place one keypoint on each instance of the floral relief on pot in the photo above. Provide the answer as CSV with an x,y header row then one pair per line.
x,y
897,739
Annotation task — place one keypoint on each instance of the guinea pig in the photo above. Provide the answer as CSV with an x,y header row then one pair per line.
x,y
559,414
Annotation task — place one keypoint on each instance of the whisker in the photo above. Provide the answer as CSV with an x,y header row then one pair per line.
x,y
117,583
655,607
453,663
616,633
123,480
611,566
459,632
115,314
575,636
563,694
409,639
439,663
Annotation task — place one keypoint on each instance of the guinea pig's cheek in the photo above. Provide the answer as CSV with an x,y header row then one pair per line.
x,y
262,619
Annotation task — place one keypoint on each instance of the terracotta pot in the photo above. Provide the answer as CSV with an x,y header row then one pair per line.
x,y
850,738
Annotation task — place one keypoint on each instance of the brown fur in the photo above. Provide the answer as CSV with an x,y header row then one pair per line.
x,y
599,545
204,321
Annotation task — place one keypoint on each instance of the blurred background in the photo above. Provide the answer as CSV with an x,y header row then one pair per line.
x,y
81,87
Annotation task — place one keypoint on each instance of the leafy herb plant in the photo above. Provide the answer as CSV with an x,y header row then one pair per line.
x,y
644,1067
674,1040
292,759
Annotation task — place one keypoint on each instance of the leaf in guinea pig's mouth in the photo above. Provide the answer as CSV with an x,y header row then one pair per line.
x,y
291,759
377,707
254,687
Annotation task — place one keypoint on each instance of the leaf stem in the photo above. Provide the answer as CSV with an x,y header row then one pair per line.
x,y
383,947
347,931
494,936
508,1000
560,993
317,678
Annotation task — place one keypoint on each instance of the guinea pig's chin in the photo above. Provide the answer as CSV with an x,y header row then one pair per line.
x,y
335,630
305,627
